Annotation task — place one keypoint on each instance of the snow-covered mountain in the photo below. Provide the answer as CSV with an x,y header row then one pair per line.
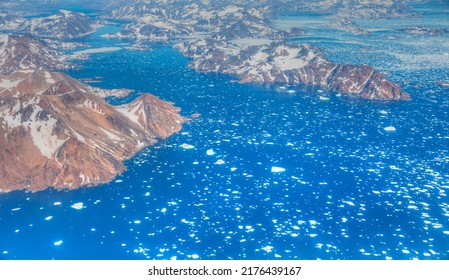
x,y
18,52
62,25
256,61
154,28
10,22
56,131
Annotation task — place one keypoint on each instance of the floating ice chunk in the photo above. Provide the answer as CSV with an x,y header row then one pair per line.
x,y
390,129
282,88
195,256
187,146
15,209
77,206
210,152
57,243
313,235
137,222
324,98
446,232
219,162
163,210
276,169
49,218
233,169
291,91
383,112
405,251
57,203
5,252
173,258
118,181
267,249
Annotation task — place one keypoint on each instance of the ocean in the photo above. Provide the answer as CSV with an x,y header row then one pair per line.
x,y
269,174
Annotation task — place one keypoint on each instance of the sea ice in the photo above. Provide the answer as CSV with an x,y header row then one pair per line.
x,y
49,218
390,129
210,152
57,243
77,206
220,161
324,98
276,169
187,146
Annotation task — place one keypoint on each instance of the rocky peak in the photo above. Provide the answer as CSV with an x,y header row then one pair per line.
x,y
19,52
55,131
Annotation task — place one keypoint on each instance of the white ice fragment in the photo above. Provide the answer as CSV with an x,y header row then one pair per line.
x,y
390,129
137,222
163,210
57,243
15,209
219,162
187,146
383,112
210,152
324,98
49,218
267,249
119,181
233,169
276,169
77,206
195,256
291,91
57,203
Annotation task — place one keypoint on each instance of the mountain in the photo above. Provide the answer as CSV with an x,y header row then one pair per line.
x,y
257,61
10,22
62,25
56,131
18,52
154,28
347,25
425,31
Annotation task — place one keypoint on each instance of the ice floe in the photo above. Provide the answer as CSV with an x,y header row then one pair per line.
x,y
77,206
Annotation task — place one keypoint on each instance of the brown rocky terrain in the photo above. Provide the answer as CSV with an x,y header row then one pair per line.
x,y
56,131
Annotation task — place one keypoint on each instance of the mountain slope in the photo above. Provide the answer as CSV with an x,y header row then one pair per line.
x,y
55,131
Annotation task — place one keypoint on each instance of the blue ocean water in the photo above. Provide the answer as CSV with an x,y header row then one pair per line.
x,y
344,188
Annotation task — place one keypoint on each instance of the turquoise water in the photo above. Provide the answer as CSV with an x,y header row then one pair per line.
x,y
348,190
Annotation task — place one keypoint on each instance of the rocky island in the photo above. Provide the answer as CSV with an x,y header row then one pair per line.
x,y
56,131
282,62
